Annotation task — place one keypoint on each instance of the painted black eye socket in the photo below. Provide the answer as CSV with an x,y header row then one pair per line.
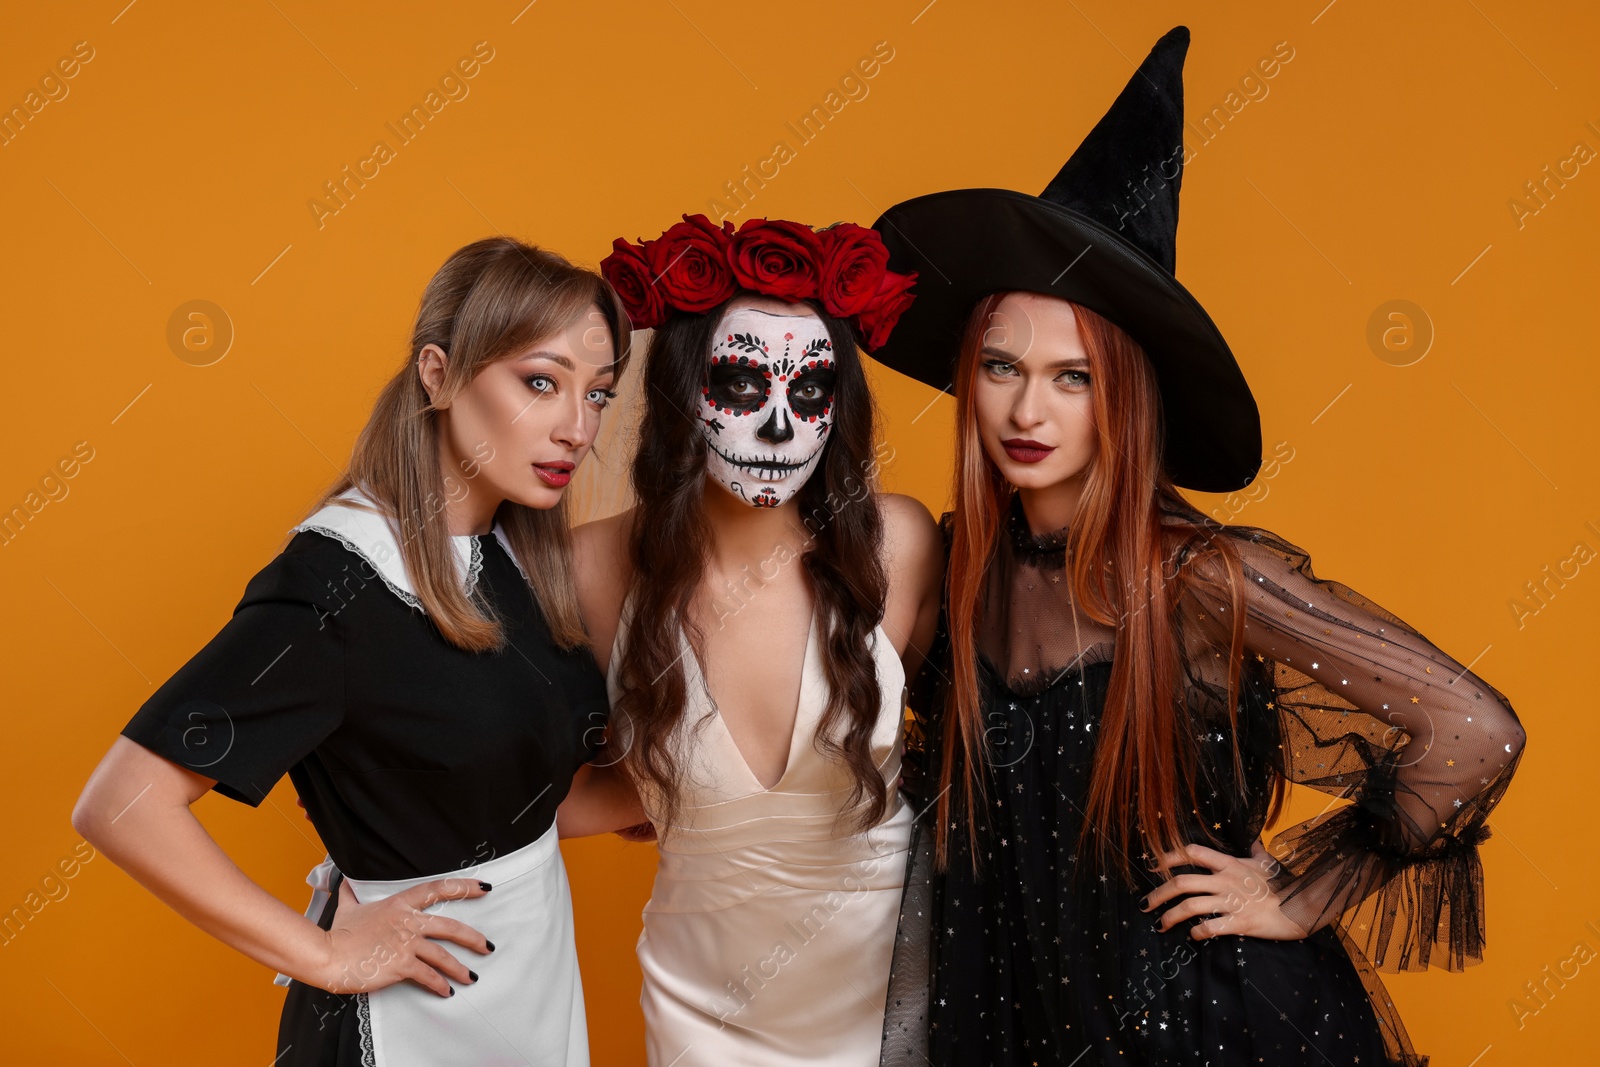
x,y
811,392
737,388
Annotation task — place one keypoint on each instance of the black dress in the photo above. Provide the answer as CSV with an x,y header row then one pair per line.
x,y
1043,957
413,757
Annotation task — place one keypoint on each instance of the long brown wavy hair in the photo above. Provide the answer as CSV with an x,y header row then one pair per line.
x,y
670,544
490,300
1124,573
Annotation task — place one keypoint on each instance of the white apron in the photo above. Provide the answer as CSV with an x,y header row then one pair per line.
x,y
526,1007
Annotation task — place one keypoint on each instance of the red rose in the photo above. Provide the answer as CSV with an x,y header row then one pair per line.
x,y
690,264
888,304
776,258
627,268
853,263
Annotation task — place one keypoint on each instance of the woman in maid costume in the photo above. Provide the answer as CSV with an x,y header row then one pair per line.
x,y
1125,687
414,660
759,610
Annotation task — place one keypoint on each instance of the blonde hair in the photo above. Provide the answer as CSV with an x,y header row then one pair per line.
x,y
490,300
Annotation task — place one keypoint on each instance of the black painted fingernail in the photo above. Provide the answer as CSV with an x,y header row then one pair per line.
x,y
472,975
485,886
1144,903
452,991
486,941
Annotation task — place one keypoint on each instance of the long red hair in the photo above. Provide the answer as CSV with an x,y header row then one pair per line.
x,y
1120,556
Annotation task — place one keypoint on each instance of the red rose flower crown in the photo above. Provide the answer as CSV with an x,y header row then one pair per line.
x,y
696,265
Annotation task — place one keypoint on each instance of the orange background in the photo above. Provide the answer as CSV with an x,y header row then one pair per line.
x,y
1379,166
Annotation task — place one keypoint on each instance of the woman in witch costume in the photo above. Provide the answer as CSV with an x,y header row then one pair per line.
x,y
1127,686
412,660
762,605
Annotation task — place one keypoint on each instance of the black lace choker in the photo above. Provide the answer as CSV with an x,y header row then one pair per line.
x,y
1040,550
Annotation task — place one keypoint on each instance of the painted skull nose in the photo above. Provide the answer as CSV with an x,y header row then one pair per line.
x,y
777,429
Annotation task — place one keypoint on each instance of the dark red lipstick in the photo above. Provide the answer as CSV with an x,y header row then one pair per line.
x,y
1025,451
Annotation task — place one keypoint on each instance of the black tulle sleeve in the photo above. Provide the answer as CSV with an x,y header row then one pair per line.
x,y
1420,747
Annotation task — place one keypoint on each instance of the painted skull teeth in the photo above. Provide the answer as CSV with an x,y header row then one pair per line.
x,y
767,466
766,407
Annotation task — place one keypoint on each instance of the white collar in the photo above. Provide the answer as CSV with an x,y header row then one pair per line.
x,y
355,521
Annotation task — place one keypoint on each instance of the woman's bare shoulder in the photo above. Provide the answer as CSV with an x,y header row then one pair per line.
x,y
907,522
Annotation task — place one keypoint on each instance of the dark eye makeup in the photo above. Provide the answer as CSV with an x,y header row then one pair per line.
x,y
811,392
737,387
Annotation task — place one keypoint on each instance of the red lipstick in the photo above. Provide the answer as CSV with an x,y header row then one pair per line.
x,y
556,474
1025,451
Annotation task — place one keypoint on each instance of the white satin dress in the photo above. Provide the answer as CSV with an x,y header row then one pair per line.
x,y
769,933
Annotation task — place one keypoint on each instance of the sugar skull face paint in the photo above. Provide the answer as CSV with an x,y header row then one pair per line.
x,y
767,405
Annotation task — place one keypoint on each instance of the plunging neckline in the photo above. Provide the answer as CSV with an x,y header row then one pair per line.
x,y
799,710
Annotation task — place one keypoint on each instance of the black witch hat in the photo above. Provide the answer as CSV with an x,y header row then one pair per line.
x,y
1104,235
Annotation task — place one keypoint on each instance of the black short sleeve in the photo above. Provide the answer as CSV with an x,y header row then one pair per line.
x,y
262,694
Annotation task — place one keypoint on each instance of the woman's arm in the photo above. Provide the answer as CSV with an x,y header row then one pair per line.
x,y
1373,712
914,557
136,810
602,800
601,576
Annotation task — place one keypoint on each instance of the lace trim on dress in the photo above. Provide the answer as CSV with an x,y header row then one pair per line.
x,y
362,527
475,565
369,1053
327,531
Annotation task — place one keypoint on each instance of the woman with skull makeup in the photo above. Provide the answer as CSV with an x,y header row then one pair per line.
x,y
1126,687
762,605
